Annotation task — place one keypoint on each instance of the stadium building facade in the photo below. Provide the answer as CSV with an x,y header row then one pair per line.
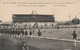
x,y
33,20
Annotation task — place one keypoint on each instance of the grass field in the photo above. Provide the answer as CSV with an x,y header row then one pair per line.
x,y
13,43
62,33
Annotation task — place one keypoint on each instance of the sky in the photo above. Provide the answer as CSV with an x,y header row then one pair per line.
x,y
63,10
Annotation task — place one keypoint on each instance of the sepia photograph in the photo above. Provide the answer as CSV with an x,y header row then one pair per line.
x,y
39,25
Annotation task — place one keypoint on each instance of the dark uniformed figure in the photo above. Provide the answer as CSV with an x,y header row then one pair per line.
x,y
4,31
10,32
30,33
74,37
57,27
26,33
0,31
39,34
7,31
22,31
18,32
13,32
